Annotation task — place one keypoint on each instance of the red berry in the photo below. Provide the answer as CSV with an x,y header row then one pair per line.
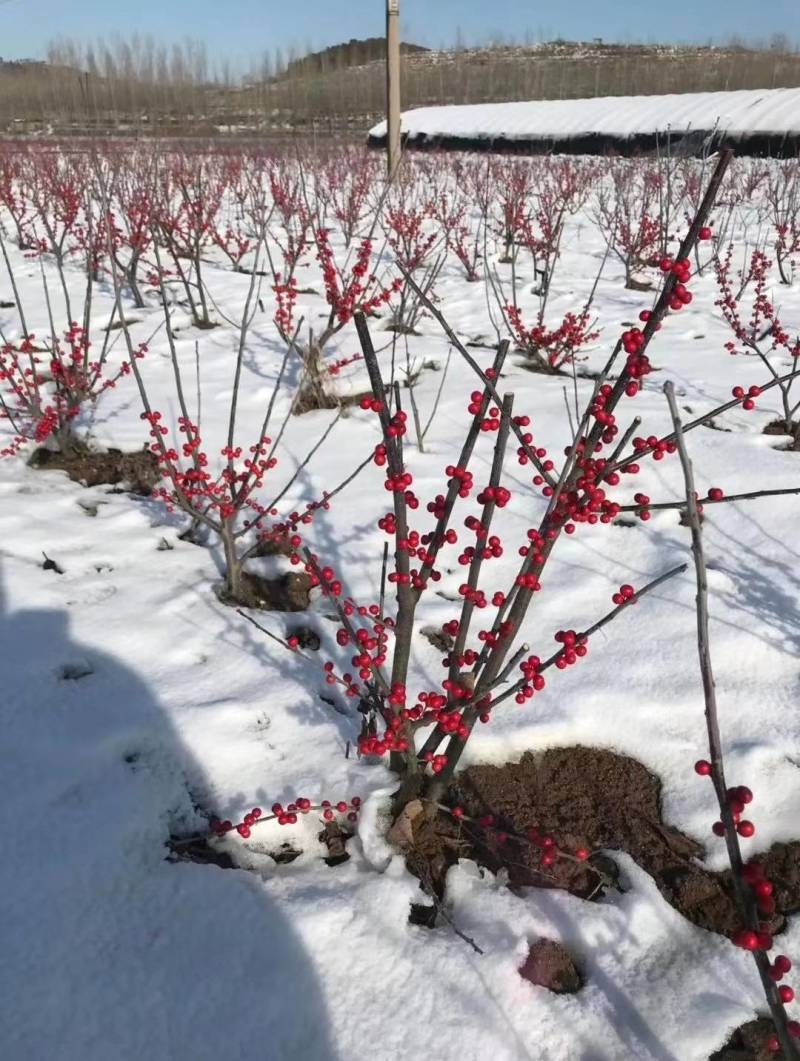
x,y
752,872
783,963
582,853
715,494
745,939
702,767
786,994
745,829
704,233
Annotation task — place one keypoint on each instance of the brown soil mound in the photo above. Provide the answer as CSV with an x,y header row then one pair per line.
x,y
585,797
310,399
748,1043
287,593
139,469
778,427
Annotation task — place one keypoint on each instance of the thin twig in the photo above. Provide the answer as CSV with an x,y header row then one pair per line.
x,y
697,422
583,635
437,537
747,909
481,538
438,393
476,368
751,495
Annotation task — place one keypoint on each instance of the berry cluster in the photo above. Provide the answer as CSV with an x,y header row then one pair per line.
x,y
624,593
761,892
554,347
287,815
549,850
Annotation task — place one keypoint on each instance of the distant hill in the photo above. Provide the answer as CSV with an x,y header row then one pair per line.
x,y
352,53
350,94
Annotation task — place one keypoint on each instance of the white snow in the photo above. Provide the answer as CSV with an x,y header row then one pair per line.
x,y
109,953
735,114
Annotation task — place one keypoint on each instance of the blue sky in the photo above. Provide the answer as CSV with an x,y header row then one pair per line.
x,y
239,30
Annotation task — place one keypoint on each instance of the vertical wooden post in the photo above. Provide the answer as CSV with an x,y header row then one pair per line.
x,y
392,85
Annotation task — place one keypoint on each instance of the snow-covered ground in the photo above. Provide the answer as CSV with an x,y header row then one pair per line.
x,y
733,114
131,696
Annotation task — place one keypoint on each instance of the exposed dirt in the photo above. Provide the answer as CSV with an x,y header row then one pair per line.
x,y
584,797
139,469
537,364
441,642
335,838
478,344
401,329
118,325
632,284
287,593
307,638
198,850
272,547
712,425
310,399
684,519
778,427
549,964
748,1043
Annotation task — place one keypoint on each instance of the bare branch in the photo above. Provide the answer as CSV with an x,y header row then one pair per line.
x,y
747,908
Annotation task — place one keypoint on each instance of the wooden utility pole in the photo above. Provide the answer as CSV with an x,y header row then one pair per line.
x,y
392,85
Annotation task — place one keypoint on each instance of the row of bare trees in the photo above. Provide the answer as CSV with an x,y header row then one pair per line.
x,y
144,87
